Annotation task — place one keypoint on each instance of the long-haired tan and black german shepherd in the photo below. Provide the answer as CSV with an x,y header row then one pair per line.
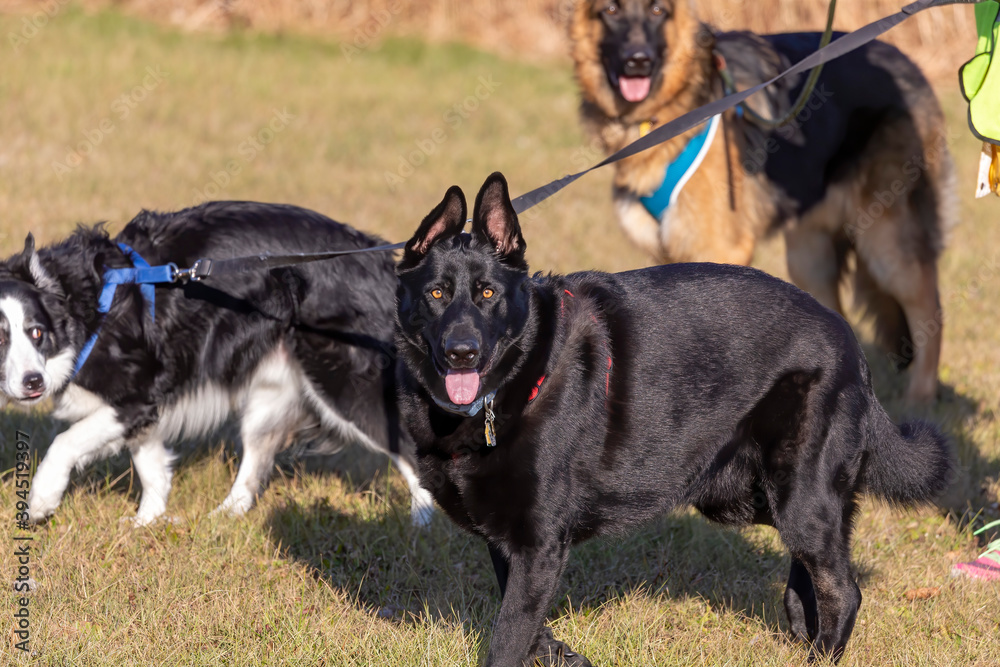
x,y
863,170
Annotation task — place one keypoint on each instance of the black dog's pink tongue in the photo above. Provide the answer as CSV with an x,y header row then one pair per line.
x,y
634,88
462,385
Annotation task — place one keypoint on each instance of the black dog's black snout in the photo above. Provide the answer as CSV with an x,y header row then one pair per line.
x,y
462,352
639,62
33,382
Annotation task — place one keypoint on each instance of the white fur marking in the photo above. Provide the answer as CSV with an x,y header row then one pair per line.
x,y
153,463
96,436
421,500
42,279
77,403
273,405
195,413
60,370
271,412
335,423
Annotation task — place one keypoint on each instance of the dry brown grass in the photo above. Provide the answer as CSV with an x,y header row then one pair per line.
x,y
939,39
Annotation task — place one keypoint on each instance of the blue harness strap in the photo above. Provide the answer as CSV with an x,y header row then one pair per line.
x,y
680,171
141,274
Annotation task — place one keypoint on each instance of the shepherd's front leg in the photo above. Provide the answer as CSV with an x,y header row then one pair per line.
x,y
98,435
520,636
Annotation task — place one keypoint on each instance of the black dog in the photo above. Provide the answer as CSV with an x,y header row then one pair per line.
x,y
609,399
287,350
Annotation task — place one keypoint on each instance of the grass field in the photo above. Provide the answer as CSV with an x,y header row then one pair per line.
x,y
104,115
939,40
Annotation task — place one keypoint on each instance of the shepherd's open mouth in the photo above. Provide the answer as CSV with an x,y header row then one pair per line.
x,y
463,384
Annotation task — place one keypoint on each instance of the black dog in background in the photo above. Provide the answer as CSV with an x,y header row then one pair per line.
x,y
548,410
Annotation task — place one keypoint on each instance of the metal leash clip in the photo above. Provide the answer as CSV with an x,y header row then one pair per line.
x,y
200,270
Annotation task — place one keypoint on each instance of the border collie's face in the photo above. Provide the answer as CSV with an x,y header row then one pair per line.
x,y
36,357
32,365
462,298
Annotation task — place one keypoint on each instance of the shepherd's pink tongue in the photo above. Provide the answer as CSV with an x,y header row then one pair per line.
x,y
462,385
634,88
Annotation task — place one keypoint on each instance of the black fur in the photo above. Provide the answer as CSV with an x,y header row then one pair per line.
x,y
855,96
218,330
702,384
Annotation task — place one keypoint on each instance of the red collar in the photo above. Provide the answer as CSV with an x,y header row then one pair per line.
x,y
607,377
534,390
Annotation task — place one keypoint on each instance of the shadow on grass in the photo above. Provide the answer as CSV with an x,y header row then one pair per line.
x,y
407,575
355,465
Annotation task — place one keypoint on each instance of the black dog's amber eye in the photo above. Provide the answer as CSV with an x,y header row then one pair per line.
x,y
611,10
657,10
487,293
35,333
437,294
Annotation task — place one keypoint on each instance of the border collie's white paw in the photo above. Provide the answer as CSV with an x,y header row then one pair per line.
x,y
141,520
43,499
236,504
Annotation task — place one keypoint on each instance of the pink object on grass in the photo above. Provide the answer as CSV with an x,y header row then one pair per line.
x,y
983,567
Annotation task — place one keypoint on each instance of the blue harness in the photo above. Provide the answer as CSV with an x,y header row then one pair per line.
x,y
680,171
141,274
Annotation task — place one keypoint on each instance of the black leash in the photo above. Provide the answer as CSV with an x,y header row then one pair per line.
x,y
205,268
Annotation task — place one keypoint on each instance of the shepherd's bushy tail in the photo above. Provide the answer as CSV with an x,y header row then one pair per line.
x,y
906,464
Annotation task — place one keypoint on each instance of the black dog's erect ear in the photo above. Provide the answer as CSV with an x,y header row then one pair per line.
x,y
39,276
495,222
446,220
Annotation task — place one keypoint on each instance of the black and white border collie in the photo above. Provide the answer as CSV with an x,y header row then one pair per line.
x,y
285,350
